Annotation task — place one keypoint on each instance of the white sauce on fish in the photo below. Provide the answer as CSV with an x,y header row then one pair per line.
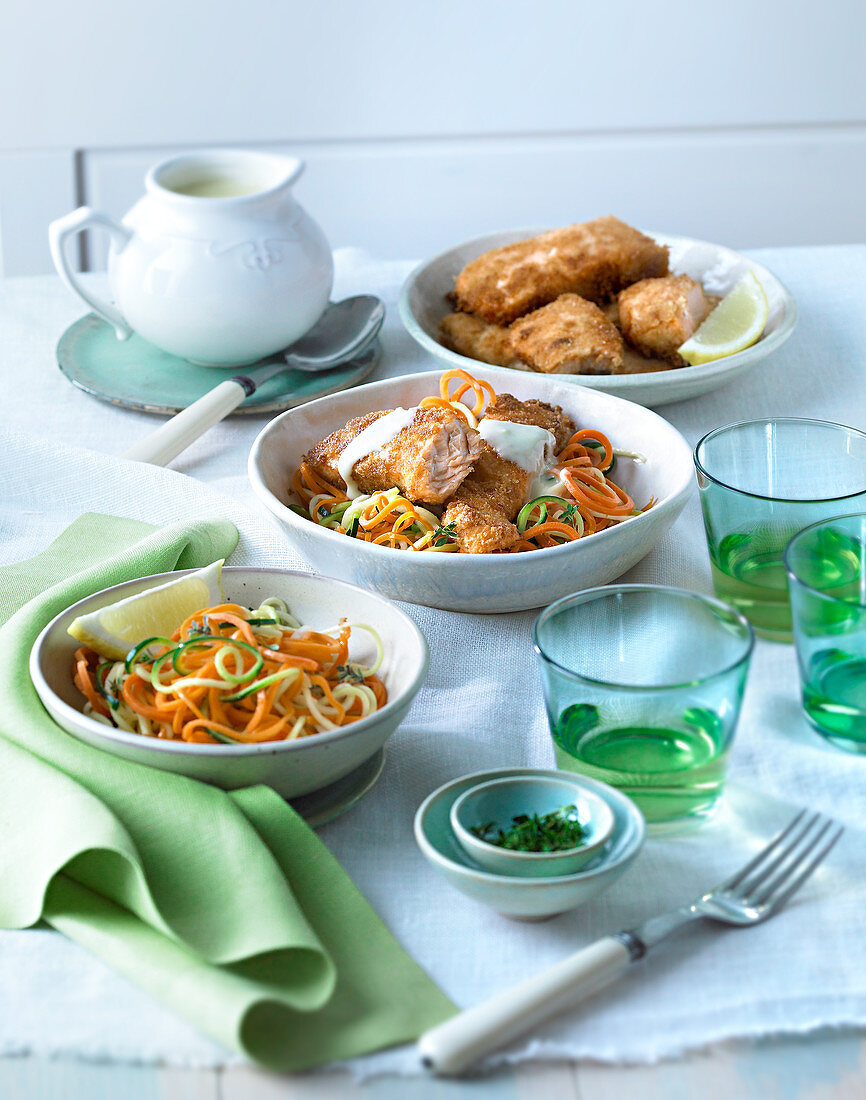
x,y
525,445
373,438
545,484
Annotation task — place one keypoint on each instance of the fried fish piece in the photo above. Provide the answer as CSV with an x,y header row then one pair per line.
x,y
593,259
658,315
478,339
538,413
568,336
427,459
483,509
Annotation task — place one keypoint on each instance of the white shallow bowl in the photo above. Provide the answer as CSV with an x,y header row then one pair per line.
x,y
423,305
499,801
526,898
481,583
292,768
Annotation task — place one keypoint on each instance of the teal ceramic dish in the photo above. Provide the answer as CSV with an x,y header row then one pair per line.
x,y
526,898
136,375
500,801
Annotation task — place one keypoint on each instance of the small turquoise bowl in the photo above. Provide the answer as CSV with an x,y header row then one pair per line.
x,y
499,801
526,898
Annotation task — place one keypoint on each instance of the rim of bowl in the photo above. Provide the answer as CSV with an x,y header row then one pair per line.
x,y
699,466
629,809
767,344
861,603
601,591
470,561
262,747
459,829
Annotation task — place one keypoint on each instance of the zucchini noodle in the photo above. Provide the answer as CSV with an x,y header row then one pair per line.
x,y
589,502
233,675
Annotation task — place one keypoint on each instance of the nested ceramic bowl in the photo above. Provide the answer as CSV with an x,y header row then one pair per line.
x,y
423,305
292,768
481,583
526,898
499,802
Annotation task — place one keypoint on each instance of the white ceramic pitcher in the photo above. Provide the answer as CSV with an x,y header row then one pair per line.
x,y
217,263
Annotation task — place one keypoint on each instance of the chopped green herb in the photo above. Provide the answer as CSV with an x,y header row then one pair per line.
x,y
352,673
553,832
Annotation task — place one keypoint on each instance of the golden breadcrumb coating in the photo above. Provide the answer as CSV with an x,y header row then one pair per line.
x,y
427,459
485,505
594,259
568,336
478,339
550,417
658,315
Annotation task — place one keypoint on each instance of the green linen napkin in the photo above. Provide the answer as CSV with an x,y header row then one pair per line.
x,y
224,905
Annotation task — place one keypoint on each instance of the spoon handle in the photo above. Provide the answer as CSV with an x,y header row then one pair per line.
x,y
166,443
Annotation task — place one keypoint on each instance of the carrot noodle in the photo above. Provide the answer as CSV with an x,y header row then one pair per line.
x,y
591,501
234,675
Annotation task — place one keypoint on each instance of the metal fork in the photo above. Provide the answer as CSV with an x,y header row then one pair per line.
x,y
755,893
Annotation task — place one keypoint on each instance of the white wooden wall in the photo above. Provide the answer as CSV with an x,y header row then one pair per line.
x,y
422,124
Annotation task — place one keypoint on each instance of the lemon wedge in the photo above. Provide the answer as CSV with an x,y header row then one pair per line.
x,y
734,325
113,630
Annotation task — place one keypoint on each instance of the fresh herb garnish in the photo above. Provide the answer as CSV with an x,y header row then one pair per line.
x,y
551,832
568,513
352,673
444,534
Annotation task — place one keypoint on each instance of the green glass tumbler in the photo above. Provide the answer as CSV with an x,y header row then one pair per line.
x,y
826,566
762,481
643,686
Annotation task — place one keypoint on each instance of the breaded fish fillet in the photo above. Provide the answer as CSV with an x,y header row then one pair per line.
x,y
427,459
538,413
568,336
478,339
594,259
483,509
658,315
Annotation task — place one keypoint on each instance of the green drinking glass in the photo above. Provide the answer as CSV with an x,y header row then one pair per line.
x,y
826,566
643,686
762,481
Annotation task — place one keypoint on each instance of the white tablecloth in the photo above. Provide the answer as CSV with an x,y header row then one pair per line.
x,y
804,969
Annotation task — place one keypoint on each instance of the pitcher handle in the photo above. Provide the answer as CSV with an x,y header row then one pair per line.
x,y
68,226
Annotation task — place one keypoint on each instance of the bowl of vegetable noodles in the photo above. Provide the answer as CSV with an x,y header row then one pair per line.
x,y
293,681
641,470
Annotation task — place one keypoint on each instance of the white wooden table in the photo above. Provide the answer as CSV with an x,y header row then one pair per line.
x,y
822,1066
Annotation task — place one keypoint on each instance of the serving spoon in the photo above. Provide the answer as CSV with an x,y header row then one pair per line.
x,y
343,333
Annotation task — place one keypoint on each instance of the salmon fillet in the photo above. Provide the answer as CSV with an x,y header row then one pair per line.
x,y
485,505
593,259
658,315
427,460
568,336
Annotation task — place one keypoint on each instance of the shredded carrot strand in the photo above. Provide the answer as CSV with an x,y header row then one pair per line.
x,y
181,700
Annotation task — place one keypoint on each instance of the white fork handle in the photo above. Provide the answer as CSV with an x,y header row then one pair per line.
x,y
166,443
455,1045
